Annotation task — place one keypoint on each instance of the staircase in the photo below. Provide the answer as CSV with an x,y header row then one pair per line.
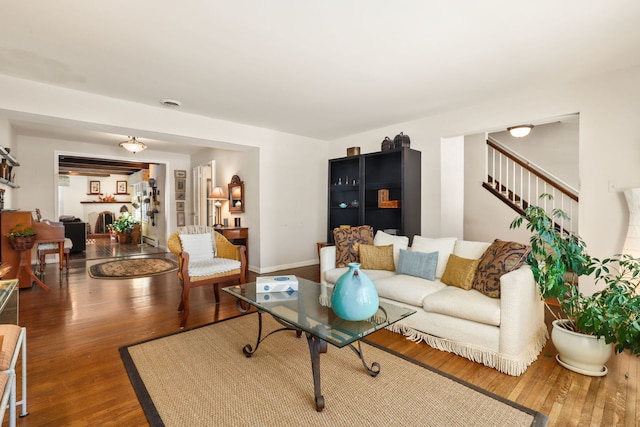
x,y
517,182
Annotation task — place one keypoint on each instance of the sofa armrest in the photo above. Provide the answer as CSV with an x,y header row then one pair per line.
x,y
327,261
521,311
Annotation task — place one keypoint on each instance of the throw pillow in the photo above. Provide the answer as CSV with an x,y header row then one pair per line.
x,y
419,264
500,258
398,242
460,272
376,257
198,246
442,245
344,238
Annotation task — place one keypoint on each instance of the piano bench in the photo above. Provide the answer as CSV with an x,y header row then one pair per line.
x,y
45,249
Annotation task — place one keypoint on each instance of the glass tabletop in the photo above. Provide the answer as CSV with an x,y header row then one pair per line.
x,y
309,309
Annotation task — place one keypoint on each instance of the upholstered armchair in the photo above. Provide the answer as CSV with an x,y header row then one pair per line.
x,y
205,257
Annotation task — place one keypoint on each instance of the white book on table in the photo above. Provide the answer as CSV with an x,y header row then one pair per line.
x,y
276,284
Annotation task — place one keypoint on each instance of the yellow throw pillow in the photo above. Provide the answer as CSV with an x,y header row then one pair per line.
x,y
376,257
460,272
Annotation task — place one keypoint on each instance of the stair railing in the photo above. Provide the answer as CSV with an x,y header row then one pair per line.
x,y
518,183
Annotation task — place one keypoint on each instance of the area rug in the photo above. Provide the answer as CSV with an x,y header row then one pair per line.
x,y
131,268
200,377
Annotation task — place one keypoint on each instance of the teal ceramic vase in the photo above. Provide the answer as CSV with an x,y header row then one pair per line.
x,y
354,296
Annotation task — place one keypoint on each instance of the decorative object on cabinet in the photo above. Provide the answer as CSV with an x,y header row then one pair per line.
x,y
133,145
217,194
179,174
6,167
391,176
121,187
94,187
236,194
353,151
401,140
387,144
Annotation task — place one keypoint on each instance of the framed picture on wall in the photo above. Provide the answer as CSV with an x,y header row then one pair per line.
x,y
121,187
180,219
94,187
180,195
180,206
181,184
179,174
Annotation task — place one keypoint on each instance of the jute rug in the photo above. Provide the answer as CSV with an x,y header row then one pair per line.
x,y
200,377
130,268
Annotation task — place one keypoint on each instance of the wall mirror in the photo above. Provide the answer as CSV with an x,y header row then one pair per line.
x,y
236,194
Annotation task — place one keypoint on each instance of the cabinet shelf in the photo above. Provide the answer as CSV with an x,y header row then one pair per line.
x,y
396,170
9,183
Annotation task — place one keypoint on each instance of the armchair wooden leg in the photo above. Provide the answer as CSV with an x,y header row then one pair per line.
x,y
184,304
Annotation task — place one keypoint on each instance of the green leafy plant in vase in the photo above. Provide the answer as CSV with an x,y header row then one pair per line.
x,y
124,225
609,318
21,237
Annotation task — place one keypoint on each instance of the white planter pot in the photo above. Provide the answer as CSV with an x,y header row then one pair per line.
x,y
581,353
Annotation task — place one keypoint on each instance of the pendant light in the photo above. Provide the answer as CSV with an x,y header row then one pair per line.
x,y
133,145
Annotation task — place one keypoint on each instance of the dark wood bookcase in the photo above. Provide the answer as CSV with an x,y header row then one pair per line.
x,y
354,183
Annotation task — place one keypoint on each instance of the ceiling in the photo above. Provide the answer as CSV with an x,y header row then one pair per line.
x,y
323,69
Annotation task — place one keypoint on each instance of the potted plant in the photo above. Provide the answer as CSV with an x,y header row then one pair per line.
x,y
123,227
605,321
21,238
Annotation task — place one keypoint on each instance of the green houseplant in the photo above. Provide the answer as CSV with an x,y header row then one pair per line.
x,y
21,237
557,259
123,226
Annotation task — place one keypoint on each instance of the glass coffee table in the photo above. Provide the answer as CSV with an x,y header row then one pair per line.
x,y
307,311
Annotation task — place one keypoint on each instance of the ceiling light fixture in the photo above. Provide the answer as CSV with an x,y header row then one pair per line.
x,y
133,145
520,131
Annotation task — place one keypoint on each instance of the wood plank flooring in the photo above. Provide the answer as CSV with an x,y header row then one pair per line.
x,y
76,376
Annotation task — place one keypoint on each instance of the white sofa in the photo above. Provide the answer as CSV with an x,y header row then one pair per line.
x,y
506,333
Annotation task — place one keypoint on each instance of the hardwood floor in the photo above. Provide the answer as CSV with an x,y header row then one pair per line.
x,y
76,376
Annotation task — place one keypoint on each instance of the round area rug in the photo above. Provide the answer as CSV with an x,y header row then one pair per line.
x,y
129,268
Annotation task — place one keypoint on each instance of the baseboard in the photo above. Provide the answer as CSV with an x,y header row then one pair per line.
x,y
271,269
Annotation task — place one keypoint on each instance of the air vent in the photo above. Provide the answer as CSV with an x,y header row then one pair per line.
x,y
170,103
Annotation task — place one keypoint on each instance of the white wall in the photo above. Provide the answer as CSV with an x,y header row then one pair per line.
x,y
609,107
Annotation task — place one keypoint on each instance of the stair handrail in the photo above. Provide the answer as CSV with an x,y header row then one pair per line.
x,y
562,186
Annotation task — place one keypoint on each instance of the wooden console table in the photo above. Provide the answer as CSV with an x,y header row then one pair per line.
x,y
237,236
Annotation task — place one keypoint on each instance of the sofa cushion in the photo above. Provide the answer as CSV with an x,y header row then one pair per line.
x,y
418,264
500,258
471,305
332,276
460,272
469,249
443,245
344,238
407,289
376,257
399,242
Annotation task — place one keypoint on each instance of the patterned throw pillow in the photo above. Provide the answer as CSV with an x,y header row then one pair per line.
x,y
376,257
500,258
460,272
344,238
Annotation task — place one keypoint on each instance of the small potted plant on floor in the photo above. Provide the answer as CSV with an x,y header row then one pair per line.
x,y
608,319
123,227
21,238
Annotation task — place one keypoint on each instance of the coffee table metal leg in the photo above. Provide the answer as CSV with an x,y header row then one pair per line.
x,y
316,346
374,370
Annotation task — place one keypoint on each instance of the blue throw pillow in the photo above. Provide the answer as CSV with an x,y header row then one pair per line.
x,y
419,264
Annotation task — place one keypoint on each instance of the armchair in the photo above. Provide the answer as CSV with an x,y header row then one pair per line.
x,y
205,257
